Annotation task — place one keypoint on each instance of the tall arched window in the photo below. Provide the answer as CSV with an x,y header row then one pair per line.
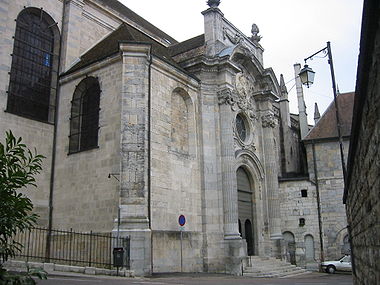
x,y
179,123
33,75
84,121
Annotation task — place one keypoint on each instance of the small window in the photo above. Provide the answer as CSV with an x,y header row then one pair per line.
x,y
84,121
301,222
304,193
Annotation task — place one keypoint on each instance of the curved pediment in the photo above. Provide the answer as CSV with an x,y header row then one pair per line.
x,y
245,58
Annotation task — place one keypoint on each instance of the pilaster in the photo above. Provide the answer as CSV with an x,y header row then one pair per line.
x,y
231,230
134,171
213,25
269,123
70,32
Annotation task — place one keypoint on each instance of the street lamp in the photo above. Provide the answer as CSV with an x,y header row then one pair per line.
x,y
307,75
307,78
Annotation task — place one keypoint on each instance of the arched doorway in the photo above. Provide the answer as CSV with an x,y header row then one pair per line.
x,y
290,245
309,248
346,248
245,209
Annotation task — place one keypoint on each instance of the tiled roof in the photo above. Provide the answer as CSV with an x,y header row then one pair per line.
x,y
110,46
326,127
129,14
187,45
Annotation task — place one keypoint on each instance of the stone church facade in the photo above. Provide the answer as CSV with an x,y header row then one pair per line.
x,y
138,126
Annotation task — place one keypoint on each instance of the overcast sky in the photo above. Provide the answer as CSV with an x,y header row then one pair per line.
x,y
291,29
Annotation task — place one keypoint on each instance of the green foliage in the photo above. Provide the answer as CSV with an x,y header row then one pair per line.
x,y
7,278
18,166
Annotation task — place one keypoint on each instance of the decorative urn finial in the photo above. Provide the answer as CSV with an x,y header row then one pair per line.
x,y
213,3
255,33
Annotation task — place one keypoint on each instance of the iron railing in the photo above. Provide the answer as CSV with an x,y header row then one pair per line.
x,y
71,248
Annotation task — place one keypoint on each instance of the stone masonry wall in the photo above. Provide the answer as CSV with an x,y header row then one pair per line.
x,y
330,181
295,207
34,134
175,172
363,202
85,198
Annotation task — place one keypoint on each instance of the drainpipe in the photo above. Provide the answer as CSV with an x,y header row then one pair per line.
x,y
55,130
150,155
322,257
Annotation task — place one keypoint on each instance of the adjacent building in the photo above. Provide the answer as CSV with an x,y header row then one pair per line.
x,y
363,182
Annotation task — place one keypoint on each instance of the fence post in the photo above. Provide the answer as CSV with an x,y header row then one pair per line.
x,y
89,260
27,255
71,245
48,242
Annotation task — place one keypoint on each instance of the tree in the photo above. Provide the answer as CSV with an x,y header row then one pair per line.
x,y
18,167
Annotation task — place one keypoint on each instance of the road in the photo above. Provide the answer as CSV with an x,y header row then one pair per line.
x,y
200,279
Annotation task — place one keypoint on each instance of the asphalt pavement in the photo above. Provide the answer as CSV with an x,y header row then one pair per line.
x,y
199,279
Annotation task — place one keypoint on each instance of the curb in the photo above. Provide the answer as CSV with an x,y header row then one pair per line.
x,y
59,269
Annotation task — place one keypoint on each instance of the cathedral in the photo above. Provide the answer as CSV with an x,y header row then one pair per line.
x,y
139,129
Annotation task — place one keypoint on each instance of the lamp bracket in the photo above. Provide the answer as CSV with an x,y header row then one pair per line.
x,y
324,50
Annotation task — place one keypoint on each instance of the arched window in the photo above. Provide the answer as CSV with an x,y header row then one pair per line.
x,y
84,121
179,123
33,75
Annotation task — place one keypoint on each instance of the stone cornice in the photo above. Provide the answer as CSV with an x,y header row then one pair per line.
x,y
134,49
266,95
89,69
174,73
207,64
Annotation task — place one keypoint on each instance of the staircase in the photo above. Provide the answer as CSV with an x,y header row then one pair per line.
x,y
269,267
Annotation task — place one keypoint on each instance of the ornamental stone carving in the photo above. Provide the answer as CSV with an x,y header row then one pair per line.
x,y
268,120
245,88
227,96
235,39
237,102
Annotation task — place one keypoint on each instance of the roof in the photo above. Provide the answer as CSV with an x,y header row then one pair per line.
x,y
110,46
326,127
187,45
129,14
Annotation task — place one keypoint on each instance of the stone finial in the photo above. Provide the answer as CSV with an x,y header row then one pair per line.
x,y
317,115
282,85
255,33
213,3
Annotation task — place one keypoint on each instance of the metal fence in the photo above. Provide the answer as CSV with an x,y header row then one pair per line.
x,y
71,248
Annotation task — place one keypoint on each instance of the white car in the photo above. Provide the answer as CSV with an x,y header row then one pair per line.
x,y
343,264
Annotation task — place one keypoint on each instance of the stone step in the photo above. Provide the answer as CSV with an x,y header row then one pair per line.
x,y
283,271
267,267
266,264
294,274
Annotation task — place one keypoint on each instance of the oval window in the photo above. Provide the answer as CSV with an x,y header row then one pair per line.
x,y
241,127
